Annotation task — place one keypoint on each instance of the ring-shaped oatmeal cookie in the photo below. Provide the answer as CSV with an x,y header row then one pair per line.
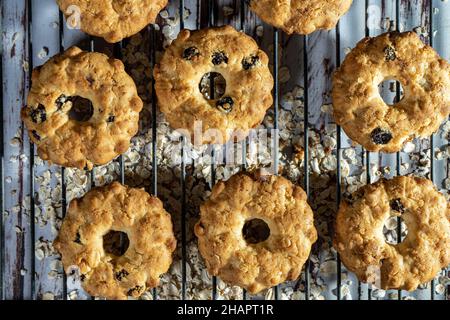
x,y
83,109
90,225
255,231
360,109
112,20
424,251
247,95
301,16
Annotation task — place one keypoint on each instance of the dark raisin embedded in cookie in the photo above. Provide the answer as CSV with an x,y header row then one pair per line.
x,y
39,114
397,205
380,136
62,99
136,289
219,57
190,53
389,53
77,238
249,62
36,135
121,274
82,277
225,104
90,79
111,118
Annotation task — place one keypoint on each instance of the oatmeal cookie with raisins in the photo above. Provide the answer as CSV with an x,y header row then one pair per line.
x,y
247,94
256,231
359,107
111,19
83,109
128,266
301,16
360,241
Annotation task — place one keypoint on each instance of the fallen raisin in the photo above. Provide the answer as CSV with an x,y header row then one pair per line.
x,y
396,205
83,277
389,53
249,62
121,274
190,53
219,57
38,115
380,136
225,104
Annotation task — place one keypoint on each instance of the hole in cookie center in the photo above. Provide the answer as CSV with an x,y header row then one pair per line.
x,y
394,226
82,109
212,85
116,243
391,91
255,231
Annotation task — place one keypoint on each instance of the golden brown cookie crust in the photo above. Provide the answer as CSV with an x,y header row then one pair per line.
x,y
111,19
301,16
119,208
359,108
226,51
282,205
423,253
116,106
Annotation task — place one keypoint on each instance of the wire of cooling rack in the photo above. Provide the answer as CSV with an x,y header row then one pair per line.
x,y
154,187
338,168
244,142
367,157
2,190
306,150
398,155
430,39
63,170
211,23
183,191
31,178
276,98
117,53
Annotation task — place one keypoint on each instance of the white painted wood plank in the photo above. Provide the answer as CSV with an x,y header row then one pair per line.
x,y
46,43
16,151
